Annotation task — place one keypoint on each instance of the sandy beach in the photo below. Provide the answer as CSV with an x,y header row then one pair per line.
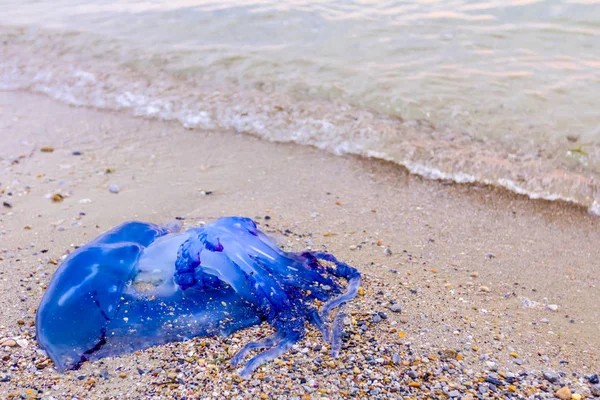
x,y
469,291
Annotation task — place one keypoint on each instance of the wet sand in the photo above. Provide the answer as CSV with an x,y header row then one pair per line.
x,y
491,285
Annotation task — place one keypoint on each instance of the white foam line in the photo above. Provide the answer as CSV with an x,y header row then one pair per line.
x,y
315,132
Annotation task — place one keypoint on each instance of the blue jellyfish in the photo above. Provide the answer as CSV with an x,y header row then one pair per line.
x,y
140,285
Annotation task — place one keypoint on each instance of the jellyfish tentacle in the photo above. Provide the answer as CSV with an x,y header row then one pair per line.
x,y
337,327
341,270
267,342
284,345
321,325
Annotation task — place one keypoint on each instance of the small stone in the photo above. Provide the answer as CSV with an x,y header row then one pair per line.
x,y
113,189
484,289
356,370
494,381
47,149
76,153
23,343
396,308
172,376
454,393
550,376
475,275
353,247
575,396
361,291
552,307
596,389
594,379
376,318
57,198
388,251
8,343
414,384
122,375
563,393
6,204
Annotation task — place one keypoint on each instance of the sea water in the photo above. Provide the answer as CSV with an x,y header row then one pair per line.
x,y
505,93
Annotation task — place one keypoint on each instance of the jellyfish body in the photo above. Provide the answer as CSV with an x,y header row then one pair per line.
x,y
141,285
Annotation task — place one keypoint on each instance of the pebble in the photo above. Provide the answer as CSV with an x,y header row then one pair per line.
x,y
396,308
454,393
594,379
484,289
596,389
563,393
8,343
113,189
494,381
550,376
552,307
47,149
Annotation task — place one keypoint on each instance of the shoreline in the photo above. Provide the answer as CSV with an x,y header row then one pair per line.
x,y
85,75
480,261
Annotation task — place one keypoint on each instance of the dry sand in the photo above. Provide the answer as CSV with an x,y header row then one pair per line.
x,y
475,270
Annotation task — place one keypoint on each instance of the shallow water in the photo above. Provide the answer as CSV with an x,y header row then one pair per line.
x,y
503,93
